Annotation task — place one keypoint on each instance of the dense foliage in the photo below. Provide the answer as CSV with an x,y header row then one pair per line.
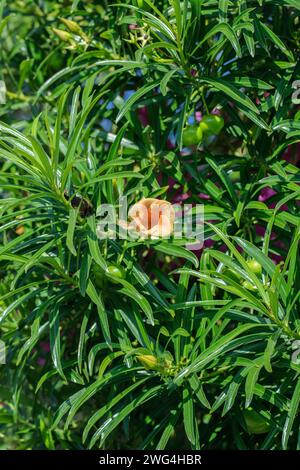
x,y
147,344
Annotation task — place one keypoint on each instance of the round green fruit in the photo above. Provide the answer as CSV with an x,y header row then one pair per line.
x,y
254,266
211,124
234,176
116,271
192,135
98,277
255,422
248,285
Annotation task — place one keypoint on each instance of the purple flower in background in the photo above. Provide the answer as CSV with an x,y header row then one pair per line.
x,y
171,182
143,115
204,196
45,346
181,197
276,258
266,193
292,154
209,243
198,116
261,231
216,111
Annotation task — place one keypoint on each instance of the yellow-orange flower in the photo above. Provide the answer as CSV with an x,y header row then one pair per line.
x,y
152,218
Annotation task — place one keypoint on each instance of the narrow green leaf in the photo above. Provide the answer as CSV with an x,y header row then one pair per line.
x,y
177,251
54,315
70,231
291,415
134,98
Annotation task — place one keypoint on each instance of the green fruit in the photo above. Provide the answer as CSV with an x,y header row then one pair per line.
x,y
248,285
234,176
256,423
98,277
211,124
254,266
116,271
192,135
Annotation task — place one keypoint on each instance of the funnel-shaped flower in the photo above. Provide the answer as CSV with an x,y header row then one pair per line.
x,y
152,218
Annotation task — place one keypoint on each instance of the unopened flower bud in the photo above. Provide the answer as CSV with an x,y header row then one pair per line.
x,y
72,26
63,35
148,361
